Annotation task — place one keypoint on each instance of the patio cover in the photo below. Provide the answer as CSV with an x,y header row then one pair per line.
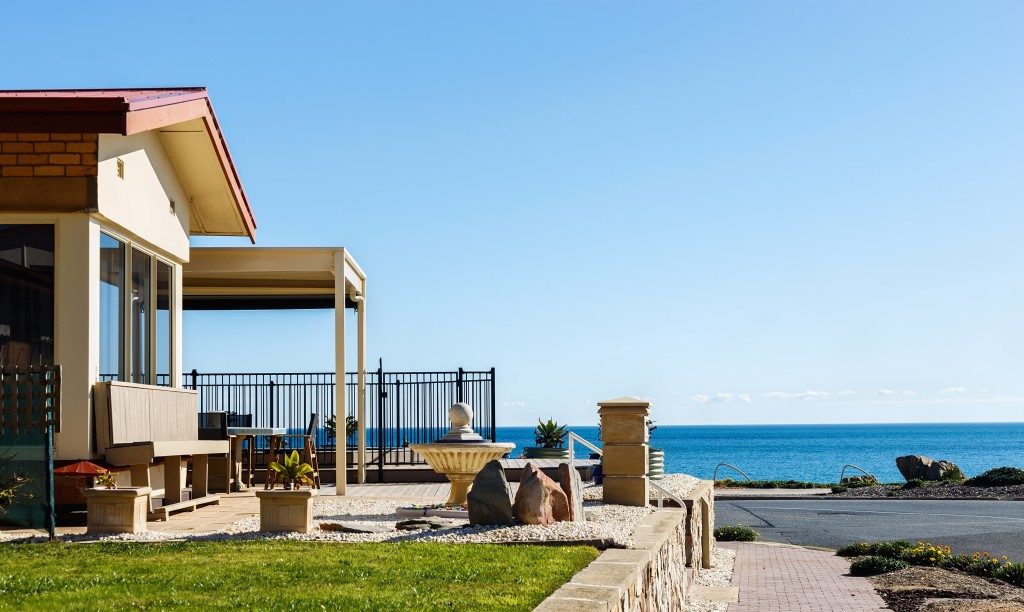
x,y
273,278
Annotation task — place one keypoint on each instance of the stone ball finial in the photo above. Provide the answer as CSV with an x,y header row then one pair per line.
x,y
461,415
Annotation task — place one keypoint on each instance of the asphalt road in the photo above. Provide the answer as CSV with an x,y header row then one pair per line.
x,y
993,526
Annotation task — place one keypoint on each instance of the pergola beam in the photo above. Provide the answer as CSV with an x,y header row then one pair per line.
x,y
285,279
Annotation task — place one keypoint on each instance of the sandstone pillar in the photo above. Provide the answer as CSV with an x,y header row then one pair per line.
x,y
624,437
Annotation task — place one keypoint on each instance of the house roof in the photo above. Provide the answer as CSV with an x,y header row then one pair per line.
x,y
131,111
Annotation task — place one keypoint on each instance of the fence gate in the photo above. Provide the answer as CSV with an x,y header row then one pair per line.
x,y
29,416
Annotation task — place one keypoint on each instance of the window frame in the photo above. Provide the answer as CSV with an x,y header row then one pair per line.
x,y
152,376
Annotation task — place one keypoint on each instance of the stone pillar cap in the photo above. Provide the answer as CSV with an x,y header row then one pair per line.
x,y
625,401
118,492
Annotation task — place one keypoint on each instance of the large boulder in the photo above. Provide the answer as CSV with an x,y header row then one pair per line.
x,y
924,468
572,485
913,466
941,470
490,498
539,500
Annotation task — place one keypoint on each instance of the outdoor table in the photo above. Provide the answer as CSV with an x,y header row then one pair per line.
x,y
237,434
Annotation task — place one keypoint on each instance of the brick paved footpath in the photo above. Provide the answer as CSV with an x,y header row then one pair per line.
x,y
782,578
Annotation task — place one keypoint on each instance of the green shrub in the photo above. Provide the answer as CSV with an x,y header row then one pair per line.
x,y
872,566
978,564
954,475
997,477
1012,573
770,484
735,533
840,489
914,483
859,481
927,554
880,549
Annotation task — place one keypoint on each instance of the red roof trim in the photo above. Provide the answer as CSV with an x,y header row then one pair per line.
x,y
122,111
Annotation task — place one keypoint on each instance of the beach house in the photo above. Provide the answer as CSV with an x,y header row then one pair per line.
x,y
100,192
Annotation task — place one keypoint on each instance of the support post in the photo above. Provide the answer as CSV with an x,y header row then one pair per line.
x,y
340,393
361,388
625,460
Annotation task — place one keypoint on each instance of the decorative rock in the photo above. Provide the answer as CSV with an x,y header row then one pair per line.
x,y
490,499
539,500
355,528
572,486
924,468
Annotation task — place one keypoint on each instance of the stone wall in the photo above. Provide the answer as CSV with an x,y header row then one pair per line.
x,y
670,547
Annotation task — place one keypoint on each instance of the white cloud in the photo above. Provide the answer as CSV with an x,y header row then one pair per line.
x,y
802,395
908,392
847,392
722,397
982,390
700,398
884,392
513,404
743,397
956,390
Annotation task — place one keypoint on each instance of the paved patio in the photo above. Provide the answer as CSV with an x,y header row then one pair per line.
x,y
779,577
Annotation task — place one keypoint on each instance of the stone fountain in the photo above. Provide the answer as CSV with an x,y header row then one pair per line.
x,y
461,453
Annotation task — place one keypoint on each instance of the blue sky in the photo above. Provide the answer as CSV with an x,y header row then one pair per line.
x,y
747,212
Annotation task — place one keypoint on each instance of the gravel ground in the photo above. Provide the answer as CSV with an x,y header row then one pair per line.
x,y
606,524
942,490
678,484
720,575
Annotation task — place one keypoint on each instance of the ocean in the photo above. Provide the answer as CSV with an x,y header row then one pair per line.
x,y
818,452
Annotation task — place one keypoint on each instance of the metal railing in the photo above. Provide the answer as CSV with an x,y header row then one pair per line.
x,y
714,476
842,472
573,439
402,408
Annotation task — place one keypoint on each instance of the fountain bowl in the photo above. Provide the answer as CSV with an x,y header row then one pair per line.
x,y
460,462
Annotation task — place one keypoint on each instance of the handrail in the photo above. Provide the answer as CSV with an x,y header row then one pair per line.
x,y
850,465
663,493
573,438
714,477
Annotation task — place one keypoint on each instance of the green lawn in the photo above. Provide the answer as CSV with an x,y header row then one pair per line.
x,y
284,574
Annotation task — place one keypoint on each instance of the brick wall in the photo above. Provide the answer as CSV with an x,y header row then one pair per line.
x,y
33,154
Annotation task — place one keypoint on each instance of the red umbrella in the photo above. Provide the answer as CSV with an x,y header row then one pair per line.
x,y
81,468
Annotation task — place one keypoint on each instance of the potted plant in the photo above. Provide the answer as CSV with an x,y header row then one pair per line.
x,y
290,508
351,427
655,456
549,437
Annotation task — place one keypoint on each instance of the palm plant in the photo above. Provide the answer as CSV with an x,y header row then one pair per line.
x,y
550,434
293,472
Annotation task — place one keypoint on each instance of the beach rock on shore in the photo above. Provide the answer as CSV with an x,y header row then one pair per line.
x,y
490,498
940,470
924,468
539,500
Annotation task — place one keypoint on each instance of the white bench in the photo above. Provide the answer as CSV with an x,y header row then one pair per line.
x,y
137,424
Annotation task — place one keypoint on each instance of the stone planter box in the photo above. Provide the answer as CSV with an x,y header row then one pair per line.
x,y
290,511
539,452
117,510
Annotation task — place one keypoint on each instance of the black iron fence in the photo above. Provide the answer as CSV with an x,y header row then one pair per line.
x,y
402,408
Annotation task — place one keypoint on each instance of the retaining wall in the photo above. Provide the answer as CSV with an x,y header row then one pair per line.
x,y
670,548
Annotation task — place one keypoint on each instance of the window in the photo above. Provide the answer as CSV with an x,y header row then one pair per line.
x,y
135,325
112,276
164,282
26,295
